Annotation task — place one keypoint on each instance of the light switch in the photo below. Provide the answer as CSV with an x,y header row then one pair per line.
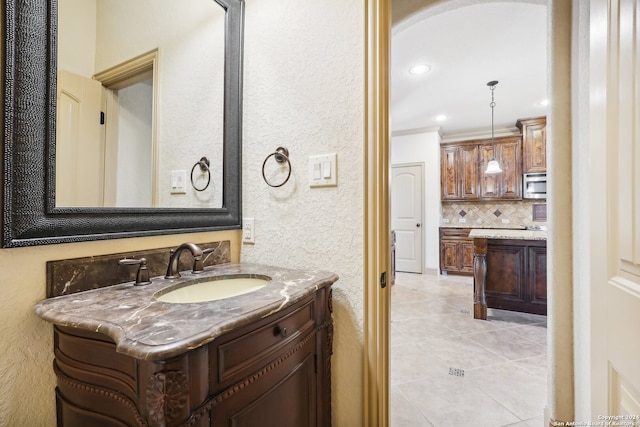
x,y
323,171
178,181
326,169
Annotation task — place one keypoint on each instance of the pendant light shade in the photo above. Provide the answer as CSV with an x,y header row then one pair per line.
x,y
493,167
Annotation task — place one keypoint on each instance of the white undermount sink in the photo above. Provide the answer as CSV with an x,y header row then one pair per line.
x,y
213,290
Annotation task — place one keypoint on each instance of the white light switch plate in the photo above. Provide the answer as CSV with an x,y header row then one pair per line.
x,y
179,182
323,170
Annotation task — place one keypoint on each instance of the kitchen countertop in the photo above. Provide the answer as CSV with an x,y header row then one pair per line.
x,y
508,234
505,226
148,329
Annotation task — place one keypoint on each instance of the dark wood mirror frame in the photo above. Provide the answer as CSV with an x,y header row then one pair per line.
x,y
29,214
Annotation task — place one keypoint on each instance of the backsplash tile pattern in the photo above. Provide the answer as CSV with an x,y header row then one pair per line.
x,y
517,213
68,276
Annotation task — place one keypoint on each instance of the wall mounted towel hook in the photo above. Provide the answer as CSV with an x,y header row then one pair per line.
x,y
204,167
281,155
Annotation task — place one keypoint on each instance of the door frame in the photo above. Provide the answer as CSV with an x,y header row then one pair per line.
x,y
560,352
422,212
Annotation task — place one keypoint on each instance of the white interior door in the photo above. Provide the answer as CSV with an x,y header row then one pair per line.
x,y
406,216
79,145
615,212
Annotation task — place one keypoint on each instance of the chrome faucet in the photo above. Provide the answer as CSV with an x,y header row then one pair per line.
x,y
173,270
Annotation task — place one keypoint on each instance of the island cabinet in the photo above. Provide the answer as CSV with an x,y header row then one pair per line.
x,y
272,372
456,251
534,144
462,166
516,275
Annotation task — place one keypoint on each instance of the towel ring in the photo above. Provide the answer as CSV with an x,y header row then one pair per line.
x,y
204,167
281,155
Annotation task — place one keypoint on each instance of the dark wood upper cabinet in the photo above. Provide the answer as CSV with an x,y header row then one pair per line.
x,y
459,172
463,165
508,184
534,144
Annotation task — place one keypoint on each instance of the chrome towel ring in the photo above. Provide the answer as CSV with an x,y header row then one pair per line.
x,y
281,155
204,167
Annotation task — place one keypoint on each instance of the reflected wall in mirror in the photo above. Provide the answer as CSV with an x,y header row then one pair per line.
x,y
140,96
31,214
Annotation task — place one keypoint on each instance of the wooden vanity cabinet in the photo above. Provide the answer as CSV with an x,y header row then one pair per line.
x,y
275,371
534,144
456,251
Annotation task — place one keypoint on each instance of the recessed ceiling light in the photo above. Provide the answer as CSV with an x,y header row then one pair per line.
x,y
419,69
440,118
544,102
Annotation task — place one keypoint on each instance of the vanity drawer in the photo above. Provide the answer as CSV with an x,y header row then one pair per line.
x,y
240,355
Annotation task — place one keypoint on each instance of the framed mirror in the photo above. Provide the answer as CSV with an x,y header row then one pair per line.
x,y
39,182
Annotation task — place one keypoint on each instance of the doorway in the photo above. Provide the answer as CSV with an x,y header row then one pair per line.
x,y
393,186
407,218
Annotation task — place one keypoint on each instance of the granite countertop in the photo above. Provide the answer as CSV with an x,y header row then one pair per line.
x,y
502,227
148,329
508,234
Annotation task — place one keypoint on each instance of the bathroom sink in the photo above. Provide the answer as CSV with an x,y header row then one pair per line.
x,y
213,289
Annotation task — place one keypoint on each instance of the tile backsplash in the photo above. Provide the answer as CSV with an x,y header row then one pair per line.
x,y
500,214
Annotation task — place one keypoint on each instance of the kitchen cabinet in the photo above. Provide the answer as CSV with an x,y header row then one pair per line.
x,y
508,184
456,251
272,372
516,275
462,166
459,172
534,144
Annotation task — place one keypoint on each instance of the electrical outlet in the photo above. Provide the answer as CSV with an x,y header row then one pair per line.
x,y
505,221
248,230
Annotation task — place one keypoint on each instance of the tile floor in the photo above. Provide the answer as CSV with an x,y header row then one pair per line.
x,y
434,336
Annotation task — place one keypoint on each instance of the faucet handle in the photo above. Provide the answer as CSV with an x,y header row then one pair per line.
x,y
142,275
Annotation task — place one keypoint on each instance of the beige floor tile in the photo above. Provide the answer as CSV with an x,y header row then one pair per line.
x,y
450,402
420,329
420,309
463,353
503,358
507,344
536,366
413,361
520,392
464,324
403,413
536,422
536,332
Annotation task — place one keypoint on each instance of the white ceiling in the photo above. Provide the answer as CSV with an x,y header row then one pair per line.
x,y
466,48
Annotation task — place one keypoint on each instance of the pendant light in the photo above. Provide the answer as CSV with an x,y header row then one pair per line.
x,y
493,167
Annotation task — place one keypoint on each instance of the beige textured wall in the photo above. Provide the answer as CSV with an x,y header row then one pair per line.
x,y
303,89
27,381
304,68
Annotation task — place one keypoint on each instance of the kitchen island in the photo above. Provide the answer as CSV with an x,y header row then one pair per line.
x,y
509,270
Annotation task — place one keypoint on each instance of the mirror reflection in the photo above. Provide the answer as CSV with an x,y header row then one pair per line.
x,y
140,102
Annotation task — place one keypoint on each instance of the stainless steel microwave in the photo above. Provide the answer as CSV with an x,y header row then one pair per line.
x,y
535,185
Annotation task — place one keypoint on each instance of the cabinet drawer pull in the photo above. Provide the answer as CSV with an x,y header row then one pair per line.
x,y
281,330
